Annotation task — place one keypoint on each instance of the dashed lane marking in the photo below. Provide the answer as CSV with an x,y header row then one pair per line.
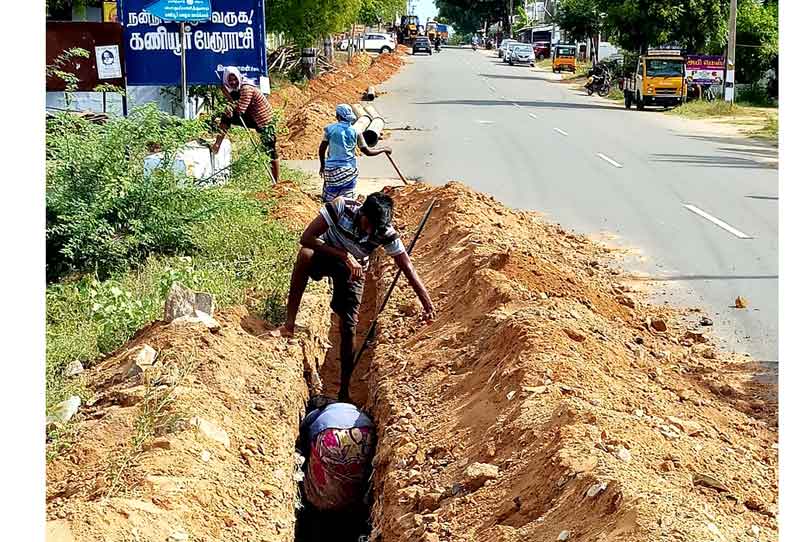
x,y
608,159
563,132
713,219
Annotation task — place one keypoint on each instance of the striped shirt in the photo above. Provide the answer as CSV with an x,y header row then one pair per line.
x,y
341,215
253,104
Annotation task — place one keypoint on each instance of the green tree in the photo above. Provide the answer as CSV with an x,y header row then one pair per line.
x,y
379,11
306,21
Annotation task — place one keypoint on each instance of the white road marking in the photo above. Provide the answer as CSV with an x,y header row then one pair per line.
x,y
717,221
485,121
533,115
608,159
492,88
563,132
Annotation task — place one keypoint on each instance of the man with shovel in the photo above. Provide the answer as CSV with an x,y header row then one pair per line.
x,y
338,169
337,244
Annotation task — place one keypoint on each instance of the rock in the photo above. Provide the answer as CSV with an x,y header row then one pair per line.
x,y
627,301
740,303
410,308
709,353
205,303
73,369
596,488
211,323
543,295
211,431
564,535
510,395
658,324
695,336
138,361
574,335
65,410
706,321
689,427
623,454
709,481
429,501
754,530
178,536
180,302
477,474
205,456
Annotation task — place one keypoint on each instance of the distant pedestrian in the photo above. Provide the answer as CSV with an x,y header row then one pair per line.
x,y
339,169
252,110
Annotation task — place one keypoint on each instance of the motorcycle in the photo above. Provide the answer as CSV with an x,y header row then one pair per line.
x,y
438,47
473,46
599,82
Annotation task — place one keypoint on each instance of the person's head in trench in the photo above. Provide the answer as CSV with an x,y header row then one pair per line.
x,y
339,168
338,441
337,244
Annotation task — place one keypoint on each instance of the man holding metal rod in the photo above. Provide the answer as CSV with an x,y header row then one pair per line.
x,y
337,244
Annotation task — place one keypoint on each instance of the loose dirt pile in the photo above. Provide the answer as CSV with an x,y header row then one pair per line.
x,y
307,111
547,402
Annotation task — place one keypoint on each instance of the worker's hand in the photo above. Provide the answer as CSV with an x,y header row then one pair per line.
x,y
215,147
356,270
322,169
429,313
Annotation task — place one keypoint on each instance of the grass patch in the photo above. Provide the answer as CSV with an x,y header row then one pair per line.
x,y
236,251
770,129
701,109
615,94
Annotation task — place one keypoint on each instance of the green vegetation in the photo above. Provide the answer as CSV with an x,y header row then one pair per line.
x,y
761,121
117,239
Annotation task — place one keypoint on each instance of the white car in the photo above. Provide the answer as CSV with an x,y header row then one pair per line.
x,y
381,43
503,47
522,53
509,50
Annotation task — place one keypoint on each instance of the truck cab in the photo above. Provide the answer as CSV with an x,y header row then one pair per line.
x,y
658,80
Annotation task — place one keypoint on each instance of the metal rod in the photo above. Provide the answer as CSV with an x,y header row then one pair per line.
x,y
396,168
259,148
185,113
393,284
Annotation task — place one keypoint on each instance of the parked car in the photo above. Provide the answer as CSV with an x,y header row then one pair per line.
x,y
542,49
503,47
422,44
509,50
373,42
523,53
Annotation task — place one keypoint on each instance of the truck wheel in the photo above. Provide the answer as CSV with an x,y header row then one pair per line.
x,y
640,103
627,100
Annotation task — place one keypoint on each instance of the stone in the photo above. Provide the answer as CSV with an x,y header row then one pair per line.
x,y
430,537
205,302
205,456
73,369
510,395
754,530
410,308
477,474
574,335
181,301
429,501
709,353
658,324
695,336
623,454
543,295
596,488
178,536
211,323
211,431
65,410
689,427
564,535
139,360
705,321
740,303
709,481
627,301
161,443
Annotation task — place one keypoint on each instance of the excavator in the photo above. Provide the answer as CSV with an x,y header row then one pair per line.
x,y
409,28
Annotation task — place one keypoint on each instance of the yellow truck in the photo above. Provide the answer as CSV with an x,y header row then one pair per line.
x,y
431,29
658,80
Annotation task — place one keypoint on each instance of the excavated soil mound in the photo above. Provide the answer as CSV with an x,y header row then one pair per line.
x,y
547,402
307,111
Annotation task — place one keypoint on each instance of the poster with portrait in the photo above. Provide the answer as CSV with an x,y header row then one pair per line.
x,y
108,61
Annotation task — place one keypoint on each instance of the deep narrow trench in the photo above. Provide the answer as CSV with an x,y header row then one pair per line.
x,y
353,524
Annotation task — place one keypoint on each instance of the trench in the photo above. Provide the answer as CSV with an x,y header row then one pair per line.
x,y
354,524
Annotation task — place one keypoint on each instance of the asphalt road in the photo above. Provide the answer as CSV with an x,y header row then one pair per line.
x,y
700,210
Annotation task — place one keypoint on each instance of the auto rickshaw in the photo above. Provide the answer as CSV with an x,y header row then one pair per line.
x,y
563,57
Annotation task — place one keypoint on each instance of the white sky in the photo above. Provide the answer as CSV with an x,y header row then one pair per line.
x,y
425,9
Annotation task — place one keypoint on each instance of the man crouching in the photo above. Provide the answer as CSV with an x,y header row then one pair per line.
x,y
337,244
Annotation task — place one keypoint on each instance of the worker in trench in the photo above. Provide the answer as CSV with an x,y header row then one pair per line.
x,y
339,169
337,244
251,110
338,441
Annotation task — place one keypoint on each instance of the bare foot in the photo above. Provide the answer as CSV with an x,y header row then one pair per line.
x,y
283,331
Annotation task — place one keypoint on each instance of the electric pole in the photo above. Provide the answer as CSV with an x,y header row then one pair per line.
x,y
730,60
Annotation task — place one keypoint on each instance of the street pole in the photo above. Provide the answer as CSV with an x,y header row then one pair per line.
x,y
730,61
185,112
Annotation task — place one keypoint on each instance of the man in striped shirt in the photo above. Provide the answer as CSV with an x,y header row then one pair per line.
x,y
337,244
252,110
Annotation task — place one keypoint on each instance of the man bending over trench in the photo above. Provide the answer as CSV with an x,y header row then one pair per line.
x,y
337,244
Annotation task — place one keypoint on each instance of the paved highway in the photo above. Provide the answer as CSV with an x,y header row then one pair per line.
x,y
701,210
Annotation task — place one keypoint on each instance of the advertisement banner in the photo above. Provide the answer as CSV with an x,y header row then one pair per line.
x,y
233,36
704,69
186,11
109,12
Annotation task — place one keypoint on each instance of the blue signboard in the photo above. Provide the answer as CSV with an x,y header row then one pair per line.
x,y
187,11
233,35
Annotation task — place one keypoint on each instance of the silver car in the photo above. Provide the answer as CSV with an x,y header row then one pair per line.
x,y
509,50
523,53
503,47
